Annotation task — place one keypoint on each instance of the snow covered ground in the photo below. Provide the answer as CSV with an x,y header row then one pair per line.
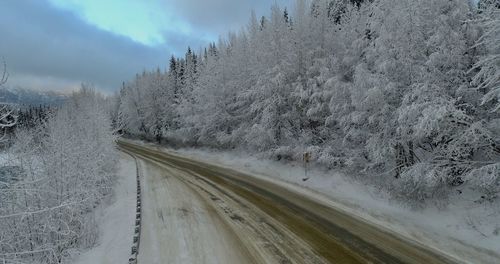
x,y
116,220
465,229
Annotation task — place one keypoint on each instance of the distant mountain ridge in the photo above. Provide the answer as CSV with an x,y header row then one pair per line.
x,y
24,96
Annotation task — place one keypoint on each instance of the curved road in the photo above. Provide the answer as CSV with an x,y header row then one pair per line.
x,y
195,212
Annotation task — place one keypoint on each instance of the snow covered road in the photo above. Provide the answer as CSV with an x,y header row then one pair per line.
x,y
195,212
179,226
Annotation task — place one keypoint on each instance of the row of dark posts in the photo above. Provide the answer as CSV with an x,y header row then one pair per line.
x,y
137,230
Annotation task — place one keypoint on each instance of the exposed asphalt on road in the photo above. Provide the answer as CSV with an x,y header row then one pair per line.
x,y
195,212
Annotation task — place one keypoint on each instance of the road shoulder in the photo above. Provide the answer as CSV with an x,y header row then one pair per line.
x,y
115,219
414,226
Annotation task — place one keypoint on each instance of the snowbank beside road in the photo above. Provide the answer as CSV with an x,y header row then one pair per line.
x,y
116,219
464,229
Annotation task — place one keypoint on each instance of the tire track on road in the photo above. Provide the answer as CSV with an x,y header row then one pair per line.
x,y
333,235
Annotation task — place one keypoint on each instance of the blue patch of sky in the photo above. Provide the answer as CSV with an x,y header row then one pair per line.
x,y
145,22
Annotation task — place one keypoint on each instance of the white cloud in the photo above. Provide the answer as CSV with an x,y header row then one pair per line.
x,y
61,48
40,41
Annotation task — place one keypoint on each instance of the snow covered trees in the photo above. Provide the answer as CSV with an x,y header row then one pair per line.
x,y
487,81
487,78
65,167
404,90
8,117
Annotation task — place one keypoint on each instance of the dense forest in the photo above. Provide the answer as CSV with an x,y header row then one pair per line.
x,y
404,94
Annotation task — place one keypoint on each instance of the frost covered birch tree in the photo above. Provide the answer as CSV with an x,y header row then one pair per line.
x,y
404,93
487,78
61,170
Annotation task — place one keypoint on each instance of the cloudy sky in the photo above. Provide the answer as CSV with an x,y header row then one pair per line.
x,y
57,44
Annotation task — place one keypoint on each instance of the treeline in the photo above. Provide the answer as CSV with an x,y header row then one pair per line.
x,y
14,117
405,93
31,115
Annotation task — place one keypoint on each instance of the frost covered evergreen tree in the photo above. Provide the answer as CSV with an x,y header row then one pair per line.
x,y
402,92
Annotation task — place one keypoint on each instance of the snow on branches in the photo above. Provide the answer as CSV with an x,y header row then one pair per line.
x,y
403,92
8,117
64,168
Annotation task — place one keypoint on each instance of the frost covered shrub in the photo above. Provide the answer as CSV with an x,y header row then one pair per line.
x,y
487,180
258,138
419,184
330,160
283,153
